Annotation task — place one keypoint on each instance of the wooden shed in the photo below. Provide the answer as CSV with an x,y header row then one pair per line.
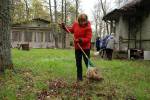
x,y
37,33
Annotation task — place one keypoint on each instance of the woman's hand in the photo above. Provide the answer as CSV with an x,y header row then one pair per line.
x,y
62,25
79,40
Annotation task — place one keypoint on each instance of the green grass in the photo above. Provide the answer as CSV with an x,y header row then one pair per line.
x,y
36,71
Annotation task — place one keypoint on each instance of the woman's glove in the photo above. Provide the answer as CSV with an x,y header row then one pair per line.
x,y
79,40
62,25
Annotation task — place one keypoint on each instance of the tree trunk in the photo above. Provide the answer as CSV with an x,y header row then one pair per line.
x,y
62,10
104,12
100,29
107,27
55,26
64,33
65,12
77,6
52,20
5,44
27,10
50,11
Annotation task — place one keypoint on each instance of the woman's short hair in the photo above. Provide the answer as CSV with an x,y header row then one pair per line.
x,y
82,17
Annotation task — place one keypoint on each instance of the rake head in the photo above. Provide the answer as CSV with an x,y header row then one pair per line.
x,y
92,74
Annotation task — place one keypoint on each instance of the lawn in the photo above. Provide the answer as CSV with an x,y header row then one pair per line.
x,y
49,74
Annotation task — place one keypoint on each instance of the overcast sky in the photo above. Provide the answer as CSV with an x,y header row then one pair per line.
x,y
88,5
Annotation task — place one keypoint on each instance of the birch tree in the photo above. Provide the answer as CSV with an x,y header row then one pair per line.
x,y
97,16
103,5
63,9
55,25
50,11
27,9
77,7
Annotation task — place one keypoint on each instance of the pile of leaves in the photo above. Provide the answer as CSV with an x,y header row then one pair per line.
x,y
62,90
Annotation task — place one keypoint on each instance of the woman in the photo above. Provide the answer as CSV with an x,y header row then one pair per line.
x,y
97,43
110,46
82,35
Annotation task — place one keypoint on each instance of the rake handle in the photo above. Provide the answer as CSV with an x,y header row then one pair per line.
x,y
83,51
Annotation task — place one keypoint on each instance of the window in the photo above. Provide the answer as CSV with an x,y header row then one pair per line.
x,y
28,36
47,37
39,37
16,36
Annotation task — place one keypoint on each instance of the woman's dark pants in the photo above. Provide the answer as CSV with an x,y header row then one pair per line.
x,y
109,54
78,56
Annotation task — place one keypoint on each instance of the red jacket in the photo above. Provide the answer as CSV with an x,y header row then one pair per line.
x,y
84,32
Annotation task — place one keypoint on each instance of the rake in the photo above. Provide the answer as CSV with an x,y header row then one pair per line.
x,y
92,72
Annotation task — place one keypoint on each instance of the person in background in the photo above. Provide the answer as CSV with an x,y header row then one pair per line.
x,y
82,32
110,45
103,46
97,43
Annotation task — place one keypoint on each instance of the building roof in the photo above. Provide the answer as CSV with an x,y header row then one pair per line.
x,y
35,19
113,15
130,8
40,19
